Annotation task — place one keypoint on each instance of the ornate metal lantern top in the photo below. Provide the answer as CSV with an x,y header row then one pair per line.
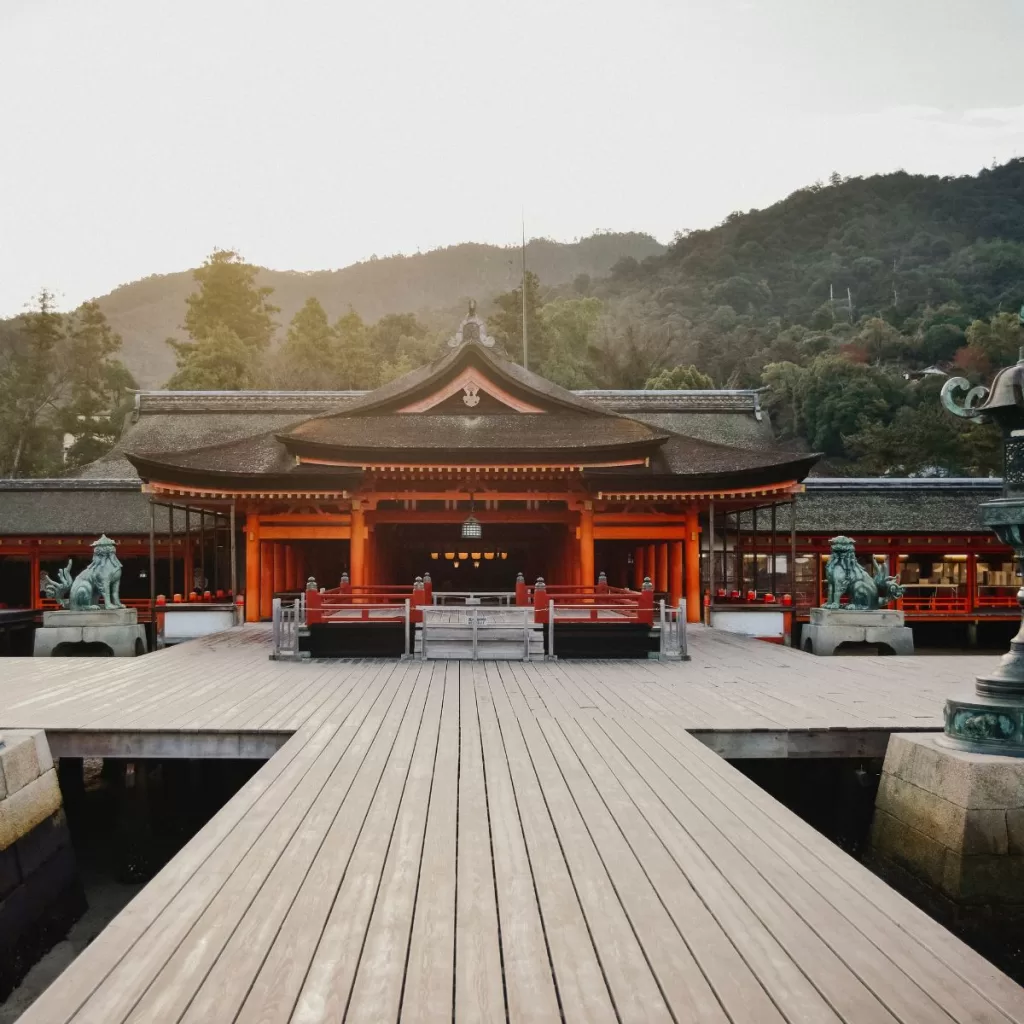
x,y
992,718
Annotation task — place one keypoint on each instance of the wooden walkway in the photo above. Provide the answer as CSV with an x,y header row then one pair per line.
x,y
506,842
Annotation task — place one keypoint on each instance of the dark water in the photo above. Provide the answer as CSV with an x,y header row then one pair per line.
x,y
836,796
127,820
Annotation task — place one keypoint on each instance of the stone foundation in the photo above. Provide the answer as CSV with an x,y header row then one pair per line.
x,y
40,892
116,633
950,825
829,628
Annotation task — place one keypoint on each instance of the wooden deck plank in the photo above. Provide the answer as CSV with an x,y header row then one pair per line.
x,y
529,983
479,995
509,841
430,972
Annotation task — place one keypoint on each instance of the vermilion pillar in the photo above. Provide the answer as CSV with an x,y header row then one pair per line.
x,y
661,580
252,567
289,568
34,599
692,567
587,577
357,547
675,572
279,567
650,562
638,567
266,579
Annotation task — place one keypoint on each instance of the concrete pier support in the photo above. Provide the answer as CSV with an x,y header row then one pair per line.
x,y
952,822
40,892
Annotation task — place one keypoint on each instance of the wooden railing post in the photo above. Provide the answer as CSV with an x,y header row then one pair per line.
x,y
540,600
428,588
645,603
522,591
314,605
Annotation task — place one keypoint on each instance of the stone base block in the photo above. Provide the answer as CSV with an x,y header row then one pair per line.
x,y
830,628
98,617
121,641
953,820
40,891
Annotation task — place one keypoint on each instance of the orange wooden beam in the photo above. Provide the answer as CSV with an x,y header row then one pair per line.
x,y
640,532
285,532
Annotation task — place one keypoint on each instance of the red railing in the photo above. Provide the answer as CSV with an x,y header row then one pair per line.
x,y
937,605
611,605
365,603
140,604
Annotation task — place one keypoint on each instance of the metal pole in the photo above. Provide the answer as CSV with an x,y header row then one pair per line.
x,y
525,348
408,648
741,578
234,555
711,552
774,542
551,628
792,546
152,567
186,585
170,557
202,547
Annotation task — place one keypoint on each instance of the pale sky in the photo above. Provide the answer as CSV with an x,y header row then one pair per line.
x,y
138,134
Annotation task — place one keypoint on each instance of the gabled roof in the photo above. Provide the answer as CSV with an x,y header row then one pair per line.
x,y
474,402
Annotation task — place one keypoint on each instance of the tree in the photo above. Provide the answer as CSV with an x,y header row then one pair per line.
x,y
59,379
506,324
309,359
358,367
679,378
100,386
570,326
228,317
33,376
219,361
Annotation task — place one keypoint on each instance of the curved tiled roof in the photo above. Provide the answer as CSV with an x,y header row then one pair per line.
x,y
504,434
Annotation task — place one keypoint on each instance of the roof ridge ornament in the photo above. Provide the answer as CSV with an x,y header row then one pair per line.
x,y
472,329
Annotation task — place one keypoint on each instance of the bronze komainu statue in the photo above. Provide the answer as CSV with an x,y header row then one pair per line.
x,y
848,578
101,579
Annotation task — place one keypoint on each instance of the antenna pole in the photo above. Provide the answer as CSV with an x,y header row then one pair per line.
x,y
525,348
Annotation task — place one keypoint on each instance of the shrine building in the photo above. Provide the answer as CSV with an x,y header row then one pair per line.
x,y
472,472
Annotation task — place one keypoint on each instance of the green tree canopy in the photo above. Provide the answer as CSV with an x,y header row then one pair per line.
x,y
228,317
679,378
63,393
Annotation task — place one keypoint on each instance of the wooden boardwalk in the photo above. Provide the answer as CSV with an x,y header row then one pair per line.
x,y
507,841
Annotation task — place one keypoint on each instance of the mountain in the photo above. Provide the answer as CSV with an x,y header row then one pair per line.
x,y
435,285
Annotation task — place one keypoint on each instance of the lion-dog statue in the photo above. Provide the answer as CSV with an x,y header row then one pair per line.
x,y
100,580
848,578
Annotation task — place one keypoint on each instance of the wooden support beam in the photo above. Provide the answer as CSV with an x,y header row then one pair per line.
x,y
279,566
675,572
692,542
252,568
587,578
357,547
677,532
266,579
661,568
297,532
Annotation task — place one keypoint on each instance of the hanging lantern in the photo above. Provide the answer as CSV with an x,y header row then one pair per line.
x,y
471,528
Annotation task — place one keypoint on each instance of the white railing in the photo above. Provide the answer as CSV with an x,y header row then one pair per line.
x,y
477,626
474,597
672,632
287,619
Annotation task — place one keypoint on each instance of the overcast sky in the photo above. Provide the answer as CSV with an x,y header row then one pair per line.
x,y
138,134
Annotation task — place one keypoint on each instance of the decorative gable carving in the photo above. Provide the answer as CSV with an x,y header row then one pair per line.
x,y
471,382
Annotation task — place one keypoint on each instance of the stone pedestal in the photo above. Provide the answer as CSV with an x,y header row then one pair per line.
x,y
952,822
40,891
829,628
115,632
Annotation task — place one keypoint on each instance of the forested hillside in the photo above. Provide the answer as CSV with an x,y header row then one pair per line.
x,y
434,285
851,302
837,297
